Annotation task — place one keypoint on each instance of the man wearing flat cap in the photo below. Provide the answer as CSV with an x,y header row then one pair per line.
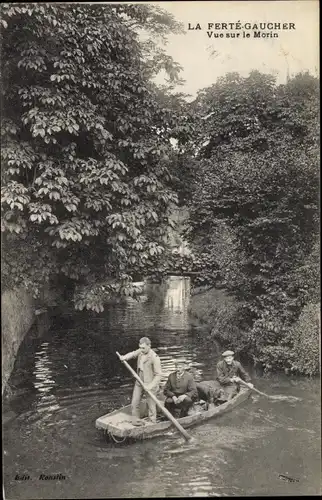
x,y
229,374
180,390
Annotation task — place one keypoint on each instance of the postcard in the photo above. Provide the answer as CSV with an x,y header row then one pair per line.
x,y
160,249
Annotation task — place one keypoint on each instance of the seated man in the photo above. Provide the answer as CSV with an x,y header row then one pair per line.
x,y
229,373
211,392
180,391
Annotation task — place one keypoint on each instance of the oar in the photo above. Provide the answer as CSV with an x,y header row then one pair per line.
x,y
157,402
276,398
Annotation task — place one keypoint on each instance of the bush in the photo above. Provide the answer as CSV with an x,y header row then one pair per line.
x,y
254,209
222,314
306,341
276,357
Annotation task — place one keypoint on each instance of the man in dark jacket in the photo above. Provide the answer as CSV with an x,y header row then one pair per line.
x,y
180,391
229,374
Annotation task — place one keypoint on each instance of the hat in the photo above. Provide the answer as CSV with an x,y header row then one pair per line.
x,y
228,353
180,361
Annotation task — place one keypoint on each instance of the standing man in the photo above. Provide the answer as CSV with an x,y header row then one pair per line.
x,y
229,373
180,391
149,371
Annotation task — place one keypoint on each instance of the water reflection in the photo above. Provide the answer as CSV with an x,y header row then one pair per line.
x,y
46,402
72,376
43,372
177,301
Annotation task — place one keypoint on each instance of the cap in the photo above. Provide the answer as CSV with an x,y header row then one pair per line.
x,y
228,353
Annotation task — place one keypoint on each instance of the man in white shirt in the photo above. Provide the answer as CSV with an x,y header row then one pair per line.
x,y
149,371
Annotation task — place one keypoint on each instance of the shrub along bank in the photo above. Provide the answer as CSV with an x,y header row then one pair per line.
x,y
297,353
253,205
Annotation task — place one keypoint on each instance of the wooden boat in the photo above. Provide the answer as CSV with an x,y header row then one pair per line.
x,y
119,424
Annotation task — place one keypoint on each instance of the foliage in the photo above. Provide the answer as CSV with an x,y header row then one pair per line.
x,y
306,340
86,150
220,313
299,351
254,214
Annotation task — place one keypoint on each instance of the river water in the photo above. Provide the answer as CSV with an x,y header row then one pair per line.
x,y
70,376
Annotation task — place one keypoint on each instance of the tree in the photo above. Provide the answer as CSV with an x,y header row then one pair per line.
x,y
86,147
254,200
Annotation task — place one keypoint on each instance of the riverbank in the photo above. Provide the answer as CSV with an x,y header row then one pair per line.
x,y
17,317
215,312
218,316
20,312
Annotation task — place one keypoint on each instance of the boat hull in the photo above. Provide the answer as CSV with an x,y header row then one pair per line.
x,y
119,422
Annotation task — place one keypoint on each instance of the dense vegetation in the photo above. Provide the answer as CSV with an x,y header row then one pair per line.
x,y
90,176
87,191
254,214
